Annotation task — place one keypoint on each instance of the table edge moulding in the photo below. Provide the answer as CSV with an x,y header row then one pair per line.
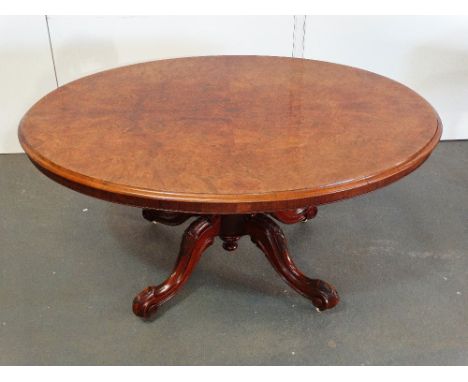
x,y
227,215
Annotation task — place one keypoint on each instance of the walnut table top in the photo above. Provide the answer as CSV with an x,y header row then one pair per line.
x,y
229,134
235,141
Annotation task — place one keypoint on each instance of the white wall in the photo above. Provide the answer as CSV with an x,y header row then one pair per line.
x,y
84,45
26,72
427,53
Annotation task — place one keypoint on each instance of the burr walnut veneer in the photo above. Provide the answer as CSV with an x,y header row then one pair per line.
x,y
234,142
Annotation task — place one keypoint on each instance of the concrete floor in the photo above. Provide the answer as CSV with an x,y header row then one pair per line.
x,y
71,265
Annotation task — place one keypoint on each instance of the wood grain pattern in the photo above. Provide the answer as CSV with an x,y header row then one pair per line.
x,y
229,134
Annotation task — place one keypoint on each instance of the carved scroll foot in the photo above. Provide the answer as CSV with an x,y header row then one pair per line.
x,y
163,217
267,235
263,231
295,216
197,238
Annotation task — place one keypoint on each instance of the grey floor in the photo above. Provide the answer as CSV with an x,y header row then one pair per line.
x,y
70,266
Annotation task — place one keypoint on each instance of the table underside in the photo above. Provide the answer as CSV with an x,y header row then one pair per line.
x,y
263,231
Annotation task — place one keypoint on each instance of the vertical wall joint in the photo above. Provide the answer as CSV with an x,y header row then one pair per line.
x,y
299,33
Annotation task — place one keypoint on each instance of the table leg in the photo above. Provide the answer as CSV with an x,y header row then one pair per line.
x,y
263,231
269,237
197,238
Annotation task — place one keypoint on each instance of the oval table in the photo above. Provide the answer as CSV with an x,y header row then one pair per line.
x,y
233,141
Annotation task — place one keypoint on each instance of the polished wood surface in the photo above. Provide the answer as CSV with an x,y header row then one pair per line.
x,y
229,134
269,237
263,231
232,141
197,238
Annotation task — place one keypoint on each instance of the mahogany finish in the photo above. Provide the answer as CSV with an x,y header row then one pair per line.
x,y
197,237
267,235
233,141
263,231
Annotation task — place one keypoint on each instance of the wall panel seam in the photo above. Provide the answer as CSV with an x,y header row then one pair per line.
x,y
51,50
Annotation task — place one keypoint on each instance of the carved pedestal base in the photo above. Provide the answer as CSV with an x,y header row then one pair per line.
x,y
263,231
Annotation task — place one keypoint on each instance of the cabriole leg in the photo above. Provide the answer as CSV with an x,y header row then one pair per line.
x,y
267,235
197,238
